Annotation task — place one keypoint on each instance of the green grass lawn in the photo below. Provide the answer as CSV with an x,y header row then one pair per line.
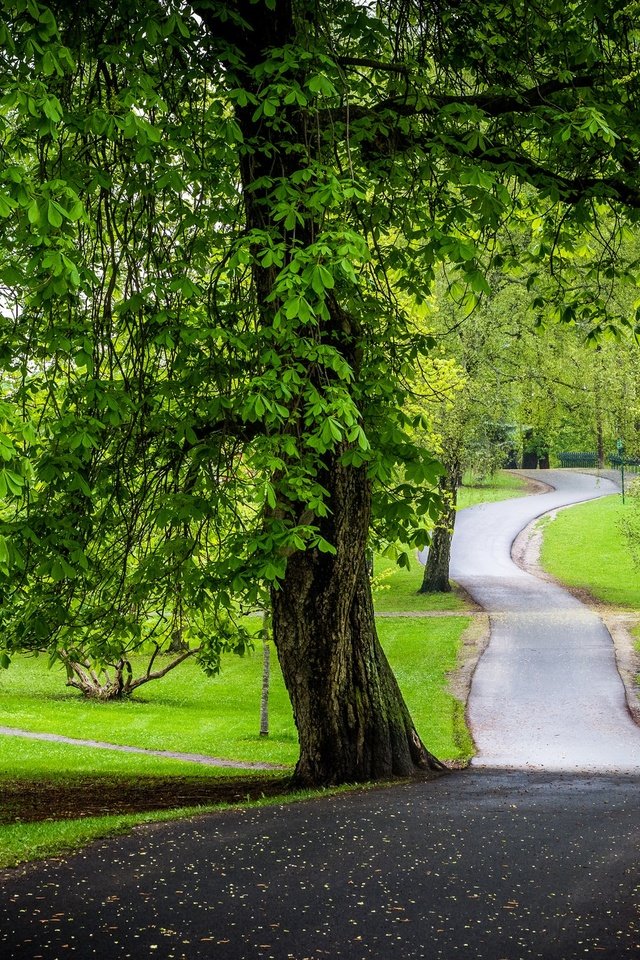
x,y
501,486
183,711
422,652
584,547
396,589
187,712
21,758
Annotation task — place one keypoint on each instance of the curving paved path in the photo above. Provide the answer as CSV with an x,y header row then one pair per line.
x,y
546,693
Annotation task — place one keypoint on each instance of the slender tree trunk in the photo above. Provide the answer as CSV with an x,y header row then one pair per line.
x,y
178,643
597,387
266,676
600,441
436,571
353,724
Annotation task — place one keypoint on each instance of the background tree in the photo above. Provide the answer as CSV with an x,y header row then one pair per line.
x,y
501,387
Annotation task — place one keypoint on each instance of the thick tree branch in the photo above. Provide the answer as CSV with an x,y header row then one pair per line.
x,y
492,104
571,189
157,674
373,64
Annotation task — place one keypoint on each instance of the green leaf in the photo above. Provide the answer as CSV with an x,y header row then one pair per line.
x,y
57,571
34,212
270,495
319,83
13,481
53,215
52,109
324,546
321,280
479,283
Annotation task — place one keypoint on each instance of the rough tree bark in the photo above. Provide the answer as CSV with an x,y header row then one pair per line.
x,y
352,721
436,571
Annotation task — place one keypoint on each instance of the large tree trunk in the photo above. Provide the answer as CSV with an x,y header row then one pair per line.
x,y
436,571
353,724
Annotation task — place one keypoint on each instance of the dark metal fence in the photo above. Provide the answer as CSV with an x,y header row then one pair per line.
x,y
587,459
631,464
578,459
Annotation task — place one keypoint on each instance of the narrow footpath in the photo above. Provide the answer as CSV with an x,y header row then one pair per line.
x,y
546,693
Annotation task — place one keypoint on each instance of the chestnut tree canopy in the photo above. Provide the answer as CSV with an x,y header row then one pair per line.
x,y
218,222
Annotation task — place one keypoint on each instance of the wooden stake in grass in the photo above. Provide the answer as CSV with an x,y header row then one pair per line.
x,y
266,672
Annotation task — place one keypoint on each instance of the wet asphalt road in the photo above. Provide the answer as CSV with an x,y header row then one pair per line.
x,y
477,864
493,864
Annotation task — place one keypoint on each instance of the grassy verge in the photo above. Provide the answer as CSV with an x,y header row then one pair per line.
x,y
422,652
23,842
584,548
501,486
187,712
46,765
